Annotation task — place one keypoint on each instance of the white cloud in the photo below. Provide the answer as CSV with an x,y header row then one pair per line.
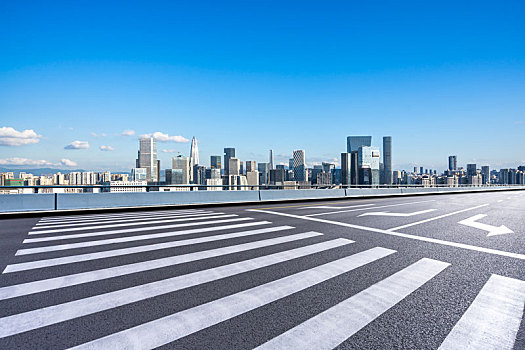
x,y
67,162
169,151
94,134
128,133
23,161
12,137
159,136
106,148
78,145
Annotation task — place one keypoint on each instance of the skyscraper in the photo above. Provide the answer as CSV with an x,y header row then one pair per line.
x,y
471,169
485,174
215,162
387,160
264,173
452,163
234,166
147,158
368,159
271,160
228,153
182,164
354,142
299,165
194,157
250,165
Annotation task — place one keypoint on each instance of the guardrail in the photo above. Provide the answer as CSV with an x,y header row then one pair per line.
x,y
105,200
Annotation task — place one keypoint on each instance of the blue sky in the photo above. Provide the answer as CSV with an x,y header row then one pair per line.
x,y
440,77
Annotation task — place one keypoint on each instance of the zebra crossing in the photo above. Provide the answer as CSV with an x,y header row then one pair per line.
x,y
81,253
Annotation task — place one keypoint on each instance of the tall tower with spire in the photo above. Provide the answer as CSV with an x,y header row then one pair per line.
x,y
194,156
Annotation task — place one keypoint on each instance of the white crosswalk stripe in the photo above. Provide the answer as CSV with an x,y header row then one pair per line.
x,y
128,230
332,327
493,319
31,265
133,214
116,220
97,275
153,222
167,329
139,237
58,313
226,248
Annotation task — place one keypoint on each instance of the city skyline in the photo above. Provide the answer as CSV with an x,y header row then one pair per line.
x,y
165,155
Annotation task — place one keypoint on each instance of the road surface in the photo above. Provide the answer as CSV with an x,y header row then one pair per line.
x,y
421,272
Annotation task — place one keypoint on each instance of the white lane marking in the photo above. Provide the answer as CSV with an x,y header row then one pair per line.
x,y
54,248
378,207
492,230
99,216
170,328
97,275
71,259
333,326
34,319
492,320
386,213
112,232
127,219
126,230
332,207
436,217
153,222
402,235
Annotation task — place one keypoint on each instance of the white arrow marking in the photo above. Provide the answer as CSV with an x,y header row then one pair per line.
x,y
386,213
493,230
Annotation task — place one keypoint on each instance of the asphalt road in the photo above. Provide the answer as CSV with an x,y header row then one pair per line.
x,y
422,272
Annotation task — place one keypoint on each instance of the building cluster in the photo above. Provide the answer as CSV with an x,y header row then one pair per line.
x,y
361,165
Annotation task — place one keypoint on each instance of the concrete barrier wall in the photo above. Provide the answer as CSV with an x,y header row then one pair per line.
x,y
26,202
138,199
66,201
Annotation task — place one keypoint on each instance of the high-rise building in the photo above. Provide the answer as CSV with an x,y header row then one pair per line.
x,y
421,170
194,157
250,165
264,173
299,165
234,166
183,164
138,174
270,162
215,162
290,164
471,169
354,142
346,168
253,178
213,173
387,160
228,153
452,163
485,174
368,162
147,158
354,168
277,176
